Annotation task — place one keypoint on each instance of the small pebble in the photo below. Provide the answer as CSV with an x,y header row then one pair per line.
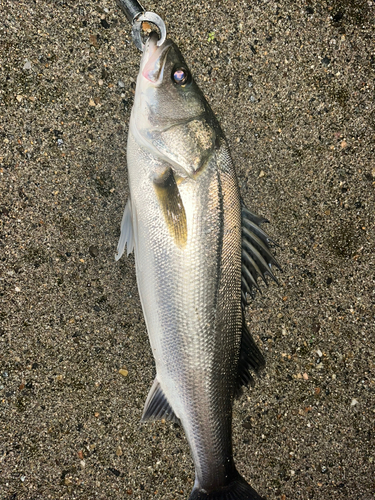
x,y
123,372
27,65
316,327
5,211
354,402
94,251
114,471
337,17
94,40
319,353
121,84
305,376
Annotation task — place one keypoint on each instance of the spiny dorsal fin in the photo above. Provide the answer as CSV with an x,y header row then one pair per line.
x,y
127,235
251,359
157,406
257,259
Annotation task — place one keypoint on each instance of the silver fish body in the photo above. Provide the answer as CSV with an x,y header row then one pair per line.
x,y
184,219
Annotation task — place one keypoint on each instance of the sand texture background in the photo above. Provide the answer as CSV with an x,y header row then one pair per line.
x,y
292,84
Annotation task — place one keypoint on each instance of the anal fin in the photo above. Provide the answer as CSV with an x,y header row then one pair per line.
x,y
127,234
251,359
157,406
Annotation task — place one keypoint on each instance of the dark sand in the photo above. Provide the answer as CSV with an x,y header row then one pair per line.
x,y
292,84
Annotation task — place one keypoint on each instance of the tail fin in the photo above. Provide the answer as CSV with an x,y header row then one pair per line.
x,y
237,489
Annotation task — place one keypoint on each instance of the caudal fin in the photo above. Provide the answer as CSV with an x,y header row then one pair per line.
x,y
237,489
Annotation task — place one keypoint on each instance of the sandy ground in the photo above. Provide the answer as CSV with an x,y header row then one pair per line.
x,y
293,86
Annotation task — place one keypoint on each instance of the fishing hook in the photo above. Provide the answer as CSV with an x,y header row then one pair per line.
x,y
136,15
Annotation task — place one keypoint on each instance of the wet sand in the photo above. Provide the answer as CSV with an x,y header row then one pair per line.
x,y
293,87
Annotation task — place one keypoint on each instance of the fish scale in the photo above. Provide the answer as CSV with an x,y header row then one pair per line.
x,y
180,319
185,220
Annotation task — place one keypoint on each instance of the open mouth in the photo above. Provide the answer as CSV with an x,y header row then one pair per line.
x,y
154,58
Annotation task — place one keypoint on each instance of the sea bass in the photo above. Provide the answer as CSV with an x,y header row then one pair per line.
x,y
198,253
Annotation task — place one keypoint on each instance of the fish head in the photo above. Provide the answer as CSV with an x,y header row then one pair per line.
x,y
171,117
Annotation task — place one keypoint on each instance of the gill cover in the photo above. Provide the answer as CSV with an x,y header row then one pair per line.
x,y
171,118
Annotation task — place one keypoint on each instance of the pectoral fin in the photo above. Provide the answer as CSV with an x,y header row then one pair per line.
x,y
127,234
171,204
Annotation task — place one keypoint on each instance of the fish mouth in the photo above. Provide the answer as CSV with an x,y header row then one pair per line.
x,y
154,57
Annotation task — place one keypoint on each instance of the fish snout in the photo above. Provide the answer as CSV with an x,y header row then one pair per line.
x,y
154,58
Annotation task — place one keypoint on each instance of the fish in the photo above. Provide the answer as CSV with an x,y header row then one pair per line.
x,y
198,255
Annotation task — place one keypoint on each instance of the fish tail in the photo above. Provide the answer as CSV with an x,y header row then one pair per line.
x,y
236,489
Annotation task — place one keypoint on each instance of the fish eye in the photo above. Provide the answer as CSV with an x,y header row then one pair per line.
x,y
180,76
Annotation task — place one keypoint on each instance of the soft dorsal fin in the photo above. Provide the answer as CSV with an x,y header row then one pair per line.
x,y
127,234
251,359
257,259
157,406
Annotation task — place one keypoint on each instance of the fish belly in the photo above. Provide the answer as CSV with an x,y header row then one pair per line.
x,y
190,290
